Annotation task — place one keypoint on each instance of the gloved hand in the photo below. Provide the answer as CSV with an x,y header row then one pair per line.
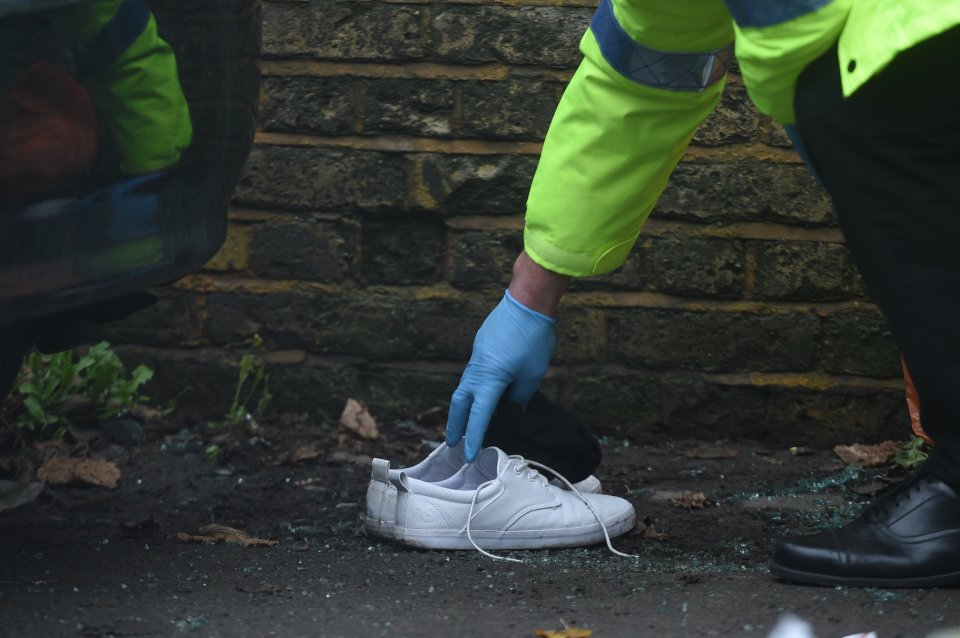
x,y
512,348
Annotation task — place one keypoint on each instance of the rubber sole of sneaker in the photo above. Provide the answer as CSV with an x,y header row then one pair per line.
x,y
808,578
381,530
526,539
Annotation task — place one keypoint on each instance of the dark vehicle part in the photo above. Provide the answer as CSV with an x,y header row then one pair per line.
x,y
124,125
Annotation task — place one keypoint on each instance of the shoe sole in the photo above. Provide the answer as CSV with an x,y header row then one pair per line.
x,y
380,529
526,539
809,578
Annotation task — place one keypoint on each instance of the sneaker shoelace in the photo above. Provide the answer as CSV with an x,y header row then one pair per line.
x,y
519,464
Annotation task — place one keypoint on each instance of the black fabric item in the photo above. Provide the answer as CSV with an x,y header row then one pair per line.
x,y
909,538
545,433
889,156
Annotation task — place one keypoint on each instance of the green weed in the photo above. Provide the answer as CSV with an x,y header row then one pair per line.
x,y
912,454
252,394
53,386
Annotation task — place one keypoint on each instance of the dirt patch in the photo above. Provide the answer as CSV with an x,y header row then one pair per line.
x,y
88,561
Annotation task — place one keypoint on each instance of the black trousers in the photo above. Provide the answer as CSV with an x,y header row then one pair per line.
x,y
889,156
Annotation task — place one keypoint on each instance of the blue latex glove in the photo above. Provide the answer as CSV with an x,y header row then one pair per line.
x,y
512,348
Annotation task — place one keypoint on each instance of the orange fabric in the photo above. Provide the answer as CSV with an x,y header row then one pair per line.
x,y
48,134
913,405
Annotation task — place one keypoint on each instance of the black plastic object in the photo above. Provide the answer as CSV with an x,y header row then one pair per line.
x,y
96,233
545,433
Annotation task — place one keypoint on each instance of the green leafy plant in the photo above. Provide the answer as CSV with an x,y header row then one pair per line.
x,y
252,394
912,454
52,386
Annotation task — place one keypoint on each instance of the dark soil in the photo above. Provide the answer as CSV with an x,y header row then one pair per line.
x,y
88,561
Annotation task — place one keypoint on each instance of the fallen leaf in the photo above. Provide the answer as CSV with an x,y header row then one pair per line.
x,y
213,533
14,494
692,500
866,455
61,470
570,632
712,451
304,452
646,529
357,419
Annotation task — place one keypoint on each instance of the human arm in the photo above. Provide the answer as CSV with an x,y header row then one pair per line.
x,y
611,148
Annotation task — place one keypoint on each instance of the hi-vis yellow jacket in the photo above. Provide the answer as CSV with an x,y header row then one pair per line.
x,y
131,72
653,71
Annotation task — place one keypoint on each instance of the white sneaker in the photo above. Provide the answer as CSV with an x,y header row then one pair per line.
x,y
441,464
500,502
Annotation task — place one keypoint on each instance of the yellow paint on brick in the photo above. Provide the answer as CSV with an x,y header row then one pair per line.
x,y
401,143
484,222
235,253
818,381
417,192
661,301
420,70
742,152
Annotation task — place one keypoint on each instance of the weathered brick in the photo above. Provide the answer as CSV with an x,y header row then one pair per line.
x,y
403,252
308,250
307,105
694,266
772,133
398,393
804,270
235,252
745,191
480,259
858,341
315,387
378,327
201,386
408,107
543,36
713,341
176,319
734,120
782,415
685,266
474,184
581,336
514,109
632,275
612,401
343,30
296,178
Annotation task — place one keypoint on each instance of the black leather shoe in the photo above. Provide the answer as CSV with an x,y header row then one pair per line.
x,y
909,538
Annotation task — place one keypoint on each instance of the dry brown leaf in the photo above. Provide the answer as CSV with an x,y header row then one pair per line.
x,y
646,529
357,419
866,455
60,470
213,533
692,500
570,632
303,452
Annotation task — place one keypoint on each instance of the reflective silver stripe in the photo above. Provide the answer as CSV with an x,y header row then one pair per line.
x,y
659,69
764,13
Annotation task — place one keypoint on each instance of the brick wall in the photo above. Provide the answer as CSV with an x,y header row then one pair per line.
x,y
381,208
